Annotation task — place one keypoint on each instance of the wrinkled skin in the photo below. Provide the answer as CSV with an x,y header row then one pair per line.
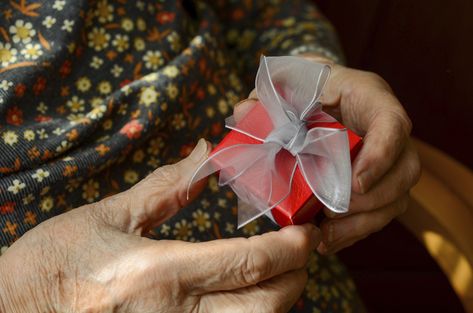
x,y
387,165
94,259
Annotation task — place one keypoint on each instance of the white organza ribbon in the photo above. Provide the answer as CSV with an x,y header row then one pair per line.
x,y
261,175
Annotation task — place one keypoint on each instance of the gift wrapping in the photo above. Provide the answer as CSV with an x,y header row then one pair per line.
x,y
285,157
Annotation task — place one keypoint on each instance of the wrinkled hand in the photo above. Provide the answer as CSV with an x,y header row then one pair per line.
x,y
387,165
93,259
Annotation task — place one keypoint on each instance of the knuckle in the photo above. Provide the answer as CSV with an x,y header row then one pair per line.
x,y
254,267
167,174
301,242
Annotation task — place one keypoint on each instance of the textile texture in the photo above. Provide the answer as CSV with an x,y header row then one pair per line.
x,y
94,95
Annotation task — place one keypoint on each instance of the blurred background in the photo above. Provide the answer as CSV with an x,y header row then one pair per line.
x,y
424,49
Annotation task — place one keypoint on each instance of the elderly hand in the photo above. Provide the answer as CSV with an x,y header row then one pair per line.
x,y
93,259
387,165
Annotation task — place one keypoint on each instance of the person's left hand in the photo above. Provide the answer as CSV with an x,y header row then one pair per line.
x,y
387,165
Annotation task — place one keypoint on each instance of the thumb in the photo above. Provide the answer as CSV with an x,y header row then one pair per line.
x,y
157,197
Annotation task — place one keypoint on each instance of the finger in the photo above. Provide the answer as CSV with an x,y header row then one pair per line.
x,y
243,107
235,263
399,179
276,295
341,232
157,197
387,131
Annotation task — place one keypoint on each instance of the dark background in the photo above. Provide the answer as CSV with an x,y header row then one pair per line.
x,y
424,49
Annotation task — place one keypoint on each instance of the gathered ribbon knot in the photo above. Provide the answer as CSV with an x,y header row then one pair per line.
x,y
289,89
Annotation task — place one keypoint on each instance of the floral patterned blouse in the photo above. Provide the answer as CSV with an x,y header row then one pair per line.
x,y
94,95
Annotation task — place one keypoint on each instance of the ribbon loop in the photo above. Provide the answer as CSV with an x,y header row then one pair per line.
x,y
261,175
290,136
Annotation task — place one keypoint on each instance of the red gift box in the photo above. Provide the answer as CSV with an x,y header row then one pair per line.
x,y
301,205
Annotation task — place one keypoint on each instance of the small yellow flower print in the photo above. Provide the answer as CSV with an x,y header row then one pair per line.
x,y
222,202
90,191
32,51
155,146
49,21
42,108
16,187
141,24
5,85
172,91
251,228
201,220
213,183
165,228
97,112
22,31
229,228
28,199
127,24
67,26
138,156
182,230
148,95
7,54
96,102
178,121
232,97
40,174
75,104
210,111
107,124
130,177
98,38
59,5
83,84
10,137
153,59
175,41
46,204
223,106
74,118
116,70
104,87
139,44
96,62
121,42
65,145
104,11
211,89
171,71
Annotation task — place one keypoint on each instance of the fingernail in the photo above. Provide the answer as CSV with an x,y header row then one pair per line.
x,y
322,249
200,149
362,182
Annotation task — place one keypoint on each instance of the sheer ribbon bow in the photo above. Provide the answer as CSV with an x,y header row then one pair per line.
x,y
261,175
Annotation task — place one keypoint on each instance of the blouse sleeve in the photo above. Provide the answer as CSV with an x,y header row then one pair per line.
x,y
275,27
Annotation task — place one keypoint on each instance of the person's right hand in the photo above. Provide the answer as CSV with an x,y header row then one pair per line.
x,y
93,259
